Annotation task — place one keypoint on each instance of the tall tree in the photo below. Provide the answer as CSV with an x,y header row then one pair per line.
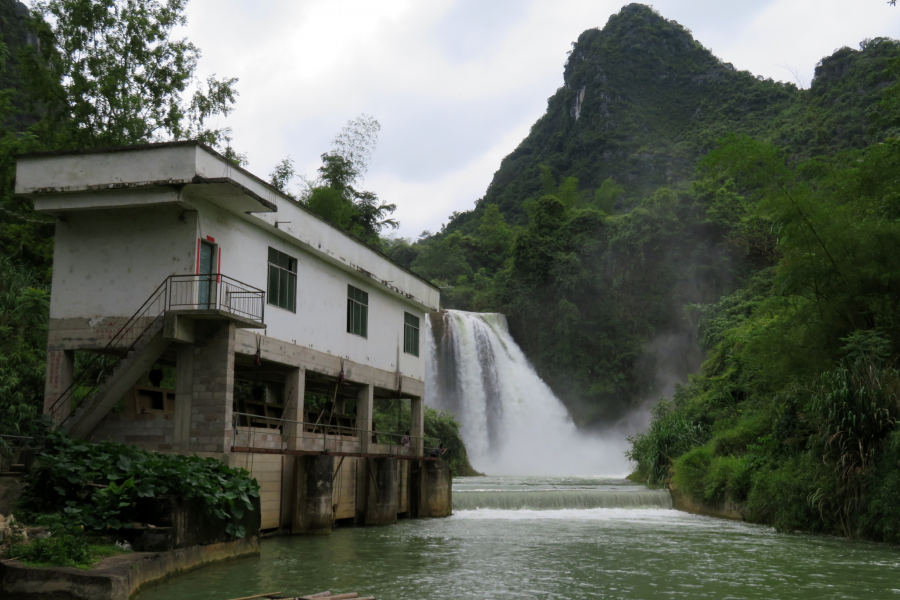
x,y
111,72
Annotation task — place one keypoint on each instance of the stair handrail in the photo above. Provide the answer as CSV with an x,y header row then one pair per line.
x,y
121,336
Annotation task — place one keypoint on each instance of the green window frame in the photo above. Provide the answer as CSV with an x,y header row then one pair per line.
x,y
410,334
357,312
282,288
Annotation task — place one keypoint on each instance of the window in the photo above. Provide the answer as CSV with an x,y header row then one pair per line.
x,y
410,334
357,311
282,280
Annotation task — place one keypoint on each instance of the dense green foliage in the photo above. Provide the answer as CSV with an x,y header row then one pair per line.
x,y
80,74
24,306
65,545
596,232
797,403
332,194
97,486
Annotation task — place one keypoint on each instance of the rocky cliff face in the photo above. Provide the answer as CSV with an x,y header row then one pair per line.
x,y
643,100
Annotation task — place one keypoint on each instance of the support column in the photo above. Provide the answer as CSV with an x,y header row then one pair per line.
x,y
313,510
384,481
60,370
184,395
213,386
365,399
294,392
417,426
435,489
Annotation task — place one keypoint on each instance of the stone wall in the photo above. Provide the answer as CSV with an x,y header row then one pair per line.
x,y
151,431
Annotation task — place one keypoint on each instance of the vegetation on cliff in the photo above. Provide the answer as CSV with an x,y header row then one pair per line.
x,y
794,413
597,232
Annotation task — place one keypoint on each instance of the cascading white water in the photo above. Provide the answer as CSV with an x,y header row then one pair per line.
x,y
510,420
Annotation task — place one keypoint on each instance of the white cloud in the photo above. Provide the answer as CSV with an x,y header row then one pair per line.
x,y
457,83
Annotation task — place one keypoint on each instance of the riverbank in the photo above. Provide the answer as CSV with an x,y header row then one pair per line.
x,y
116,577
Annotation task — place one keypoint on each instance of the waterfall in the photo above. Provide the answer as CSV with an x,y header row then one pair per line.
x,y
510,420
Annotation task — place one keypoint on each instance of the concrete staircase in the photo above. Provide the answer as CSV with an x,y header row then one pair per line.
x,y
149,347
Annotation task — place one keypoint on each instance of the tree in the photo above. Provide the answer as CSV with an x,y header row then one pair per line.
x,y
332,195
356,142
281,176
108,72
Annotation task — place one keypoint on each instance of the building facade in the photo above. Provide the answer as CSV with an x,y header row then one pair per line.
x,y
231,321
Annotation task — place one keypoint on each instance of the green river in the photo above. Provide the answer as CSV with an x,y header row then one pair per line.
x,y
561,538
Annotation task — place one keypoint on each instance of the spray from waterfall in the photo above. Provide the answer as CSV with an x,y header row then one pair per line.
x,y
510,420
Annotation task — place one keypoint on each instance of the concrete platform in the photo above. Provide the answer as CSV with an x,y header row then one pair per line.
x,y
116,577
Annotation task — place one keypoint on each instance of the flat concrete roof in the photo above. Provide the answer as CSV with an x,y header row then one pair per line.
x,y
47,181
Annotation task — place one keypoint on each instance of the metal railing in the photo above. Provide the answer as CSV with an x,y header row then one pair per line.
x,y
176,292
332,445
216,291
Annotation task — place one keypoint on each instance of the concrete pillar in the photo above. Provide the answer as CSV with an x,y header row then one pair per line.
x,y
384,493
184,395
294,391
212,386
417,425
313,506
58,378
435,489
365,399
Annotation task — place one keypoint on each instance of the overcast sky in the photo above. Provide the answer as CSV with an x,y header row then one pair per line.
x,y
456,84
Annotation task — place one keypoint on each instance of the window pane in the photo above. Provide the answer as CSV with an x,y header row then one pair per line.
x,y
363,321
292,265
282,289
364,297
415,344
273,285
349,315
273,256
292,293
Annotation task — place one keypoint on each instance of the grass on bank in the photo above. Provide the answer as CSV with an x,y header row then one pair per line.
x,y
60,545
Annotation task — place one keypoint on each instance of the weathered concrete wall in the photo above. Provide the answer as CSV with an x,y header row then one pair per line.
x,y
344,487
213,387
267,470
384,486
107,263
320,321
184,522
151,431
115,578
314,476
435,489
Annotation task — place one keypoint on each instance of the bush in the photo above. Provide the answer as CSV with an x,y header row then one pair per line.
x,y
689,475
781,496
881,518
669,436
723,479
96,486
442,425
857,406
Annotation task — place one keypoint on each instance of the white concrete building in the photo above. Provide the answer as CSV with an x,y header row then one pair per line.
x,y
170,257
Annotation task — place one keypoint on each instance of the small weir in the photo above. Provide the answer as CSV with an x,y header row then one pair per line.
x,y
561,500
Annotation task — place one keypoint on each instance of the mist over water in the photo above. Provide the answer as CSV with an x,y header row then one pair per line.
x,y
510,420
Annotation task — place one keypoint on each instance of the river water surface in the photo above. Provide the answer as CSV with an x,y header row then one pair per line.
x,y
560,538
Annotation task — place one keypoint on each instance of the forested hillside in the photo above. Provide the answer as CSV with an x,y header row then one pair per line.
x,y
599,238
